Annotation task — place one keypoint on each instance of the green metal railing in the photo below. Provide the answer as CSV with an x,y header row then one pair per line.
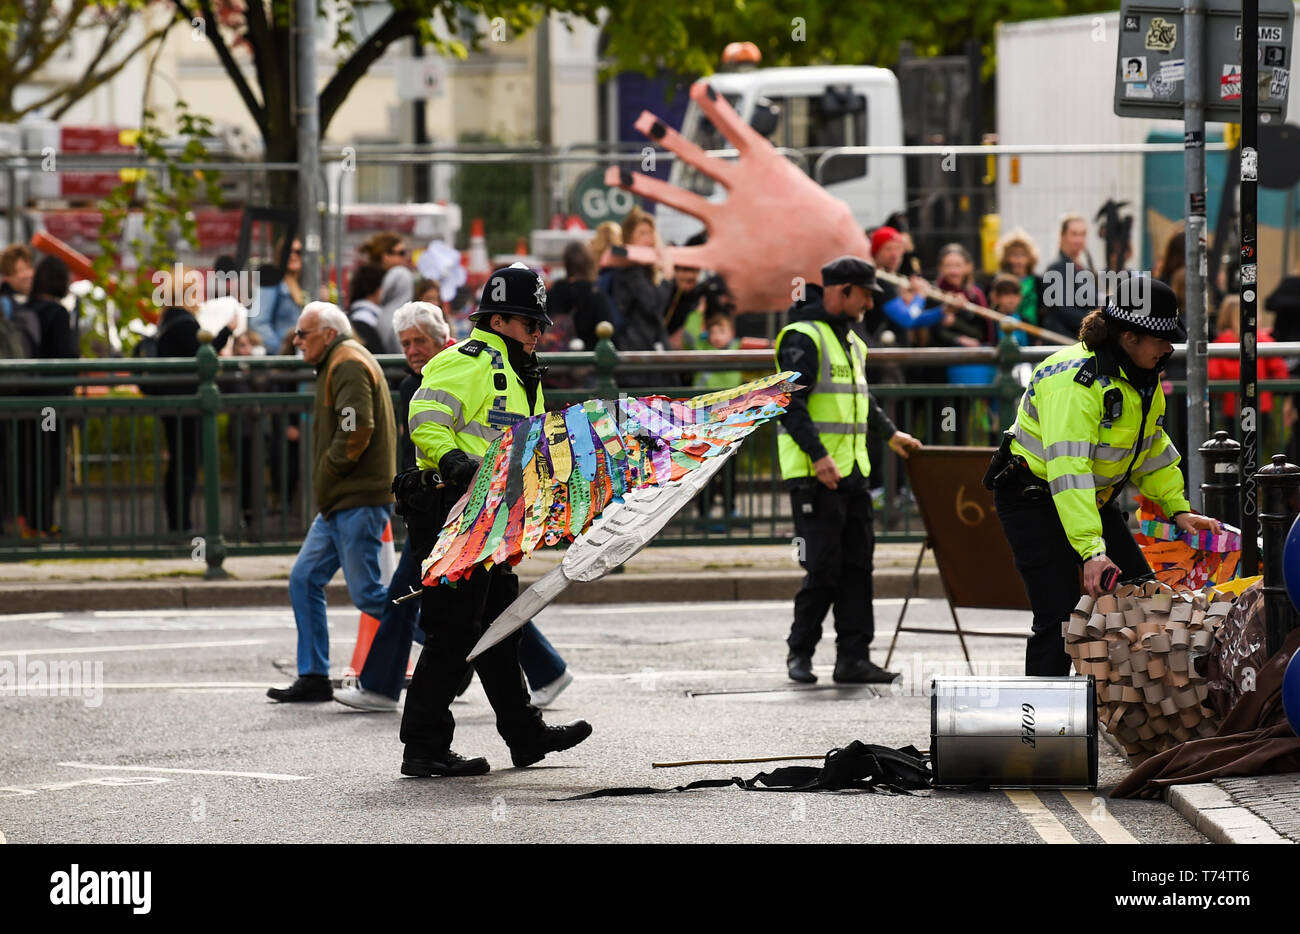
x,y
87,446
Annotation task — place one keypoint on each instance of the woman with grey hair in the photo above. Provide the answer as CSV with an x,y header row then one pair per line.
x,y
424,315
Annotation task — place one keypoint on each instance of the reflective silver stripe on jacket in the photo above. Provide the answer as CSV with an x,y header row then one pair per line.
x,y
1163,459
1072,481
1068,449
442,397
431,416
475,430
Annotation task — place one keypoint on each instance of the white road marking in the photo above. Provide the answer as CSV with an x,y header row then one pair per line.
x,y
1105,824
728,605
20,617
1043,821
143,647
164,685
272,776
196,611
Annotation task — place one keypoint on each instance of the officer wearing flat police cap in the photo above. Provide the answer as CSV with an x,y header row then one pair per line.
x,y
469,394
822,445
1091,419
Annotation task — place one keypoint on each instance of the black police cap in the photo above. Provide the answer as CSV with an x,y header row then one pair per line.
x,y
514,290
849,270
1146,305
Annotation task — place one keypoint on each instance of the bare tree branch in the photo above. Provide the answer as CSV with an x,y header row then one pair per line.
x,y
90,81
399,25
53,42
213,31
262,45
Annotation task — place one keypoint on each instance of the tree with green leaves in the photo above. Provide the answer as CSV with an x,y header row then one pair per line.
x,y
33,33
683,36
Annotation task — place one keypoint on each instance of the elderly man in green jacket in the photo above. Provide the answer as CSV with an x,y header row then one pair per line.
x,y
354,457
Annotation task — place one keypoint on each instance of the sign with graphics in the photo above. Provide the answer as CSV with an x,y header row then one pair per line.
x,y
1150,72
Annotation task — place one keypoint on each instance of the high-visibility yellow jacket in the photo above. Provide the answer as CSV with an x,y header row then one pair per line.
x,y
1079,425
468,394
837,403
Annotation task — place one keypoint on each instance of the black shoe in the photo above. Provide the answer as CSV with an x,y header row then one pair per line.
x,y
449,763
799,668
464,685
309,688
861,671
551,739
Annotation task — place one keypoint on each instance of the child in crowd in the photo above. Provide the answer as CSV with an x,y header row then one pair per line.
x,y
1005,293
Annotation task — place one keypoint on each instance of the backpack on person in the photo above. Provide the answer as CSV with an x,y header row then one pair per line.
x,y
12,344
20,332
147,348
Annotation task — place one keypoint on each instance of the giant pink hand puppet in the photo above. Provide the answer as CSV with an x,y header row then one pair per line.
x,y
777,225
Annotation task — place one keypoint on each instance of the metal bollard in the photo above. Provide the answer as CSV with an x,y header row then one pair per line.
x,y
1279,503
606,361
1221,491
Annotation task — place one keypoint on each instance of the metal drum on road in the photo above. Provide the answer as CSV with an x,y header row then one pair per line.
x,y
1014,732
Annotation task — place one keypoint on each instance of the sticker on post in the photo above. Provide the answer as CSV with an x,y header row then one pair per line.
x,y
1135,68
1266,33
1249,164
1248,274
1230,83
1274,55
1161,87
1172,69
1248,295
1161,35
1132,23
1281,78
1140,91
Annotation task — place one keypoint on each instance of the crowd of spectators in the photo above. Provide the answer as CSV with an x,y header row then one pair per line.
x,y
651,305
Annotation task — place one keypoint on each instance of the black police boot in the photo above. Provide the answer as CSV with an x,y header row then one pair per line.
x,y
861,671
449,763
307,688
551,739
799,667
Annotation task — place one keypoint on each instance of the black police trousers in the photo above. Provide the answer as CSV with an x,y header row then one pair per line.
x,y
836,543
453,616
1050,568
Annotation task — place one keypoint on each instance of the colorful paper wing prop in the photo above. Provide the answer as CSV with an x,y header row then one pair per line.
x,y
607,484
1186,560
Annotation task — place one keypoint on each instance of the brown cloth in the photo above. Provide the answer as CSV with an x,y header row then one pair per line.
x,y
1238,653
1255,739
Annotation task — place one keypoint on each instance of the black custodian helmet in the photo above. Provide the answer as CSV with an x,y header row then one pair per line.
x,y
514,290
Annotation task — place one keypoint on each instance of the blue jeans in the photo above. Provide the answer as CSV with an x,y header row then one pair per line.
x,y
538,658
385,669
350,538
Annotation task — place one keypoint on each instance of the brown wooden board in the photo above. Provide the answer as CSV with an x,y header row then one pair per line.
x,y
970,548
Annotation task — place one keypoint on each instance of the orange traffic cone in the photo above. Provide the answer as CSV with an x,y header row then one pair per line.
x,y
368,625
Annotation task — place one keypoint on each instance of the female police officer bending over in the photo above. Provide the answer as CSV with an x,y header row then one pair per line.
x,y
1092,418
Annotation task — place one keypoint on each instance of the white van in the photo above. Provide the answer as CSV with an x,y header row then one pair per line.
x,y
809,109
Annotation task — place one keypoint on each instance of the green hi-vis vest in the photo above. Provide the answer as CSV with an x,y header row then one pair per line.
x,y
1071,436
837,403
468,394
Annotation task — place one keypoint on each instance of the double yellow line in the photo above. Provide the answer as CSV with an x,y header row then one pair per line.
x,y
1051,830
